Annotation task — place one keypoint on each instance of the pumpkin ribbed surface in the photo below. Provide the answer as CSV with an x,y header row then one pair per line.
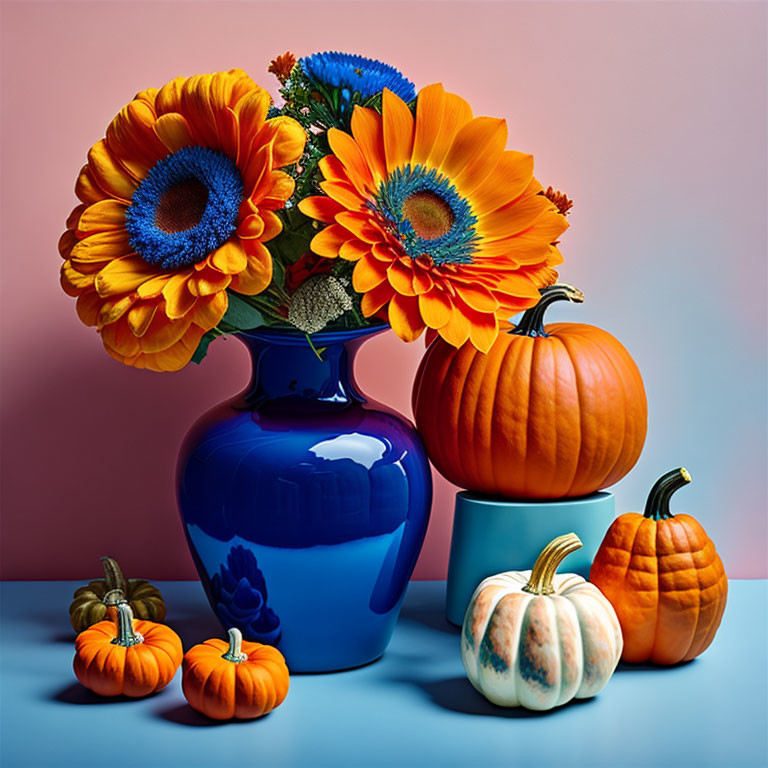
x,y
224,689
543,417
539,651
667,584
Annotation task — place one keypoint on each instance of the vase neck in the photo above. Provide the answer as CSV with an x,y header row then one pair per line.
x,y
286,367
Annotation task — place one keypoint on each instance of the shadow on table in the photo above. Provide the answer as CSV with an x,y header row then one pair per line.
x,y
624,667
434,618
79,694
458,695
183,714
194,629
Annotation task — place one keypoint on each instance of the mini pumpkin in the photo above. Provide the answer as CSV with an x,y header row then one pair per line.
x,y
664,577
97,600
548,412
128,657
240,680
537,640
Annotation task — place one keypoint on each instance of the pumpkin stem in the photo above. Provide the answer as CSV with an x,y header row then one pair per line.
x,y
532,322
657,505
113,576
540,582
126,636
234,652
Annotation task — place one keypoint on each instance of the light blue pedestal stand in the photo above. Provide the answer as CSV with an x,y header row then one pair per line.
x,y
492,536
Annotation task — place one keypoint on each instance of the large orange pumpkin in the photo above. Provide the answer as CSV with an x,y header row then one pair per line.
x,y
130,657
549,412
664,578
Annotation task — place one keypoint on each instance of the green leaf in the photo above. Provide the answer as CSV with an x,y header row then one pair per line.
x,y
202,347
241,314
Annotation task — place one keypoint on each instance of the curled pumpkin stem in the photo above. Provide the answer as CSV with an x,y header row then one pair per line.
x,y
657,505
234,652
532,322
113,575
126,635
540,582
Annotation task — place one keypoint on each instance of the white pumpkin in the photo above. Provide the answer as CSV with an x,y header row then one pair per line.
x,y
537,640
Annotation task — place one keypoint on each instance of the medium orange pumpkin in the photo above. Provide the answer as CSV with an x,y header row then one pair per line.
x,y
240,680
547,413
130,657
663,577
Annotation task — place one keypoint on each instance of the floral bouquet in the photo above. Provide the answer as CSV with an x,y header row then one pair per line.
x,y
207,210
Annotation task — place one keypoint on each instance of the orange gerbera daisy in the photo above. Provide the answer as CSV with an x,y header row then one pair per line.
x,y
447,229
177,203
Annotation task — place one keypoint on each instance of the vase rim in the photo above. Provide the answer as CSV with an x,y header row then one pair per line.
x,y
288,336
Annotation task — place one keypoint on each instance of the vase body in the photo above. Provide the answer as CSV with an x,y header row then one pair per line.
x,y
305,504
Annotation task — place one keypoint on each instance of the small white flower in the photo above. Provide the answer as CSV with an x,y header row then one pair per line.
x,y
318,301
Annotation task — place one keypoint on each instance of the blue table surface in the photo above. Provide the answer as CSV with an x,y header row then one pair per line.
x,y
413,707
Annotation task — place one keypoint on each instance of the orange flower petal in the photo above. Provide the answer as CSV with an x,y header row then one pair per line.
x,y
86,187
257,274
140,316
174,132
123,275
178,299
66,243
88,306
515,217
251,113
333,170
517,285
175,357
168,98
456,114
209,310
376,298
456,330
209,281
73,281
483,330
281,189
229,258
367,129
475,152
163,332
103,246
113,309
103,216
360,225
398,130
74,217
109,174
355,166
435,308
430,106
250,227
132,141
273,226
117,336
321,208
507,182
328,241
401,278
477,297
288,138
353,250
368,273
404,317
153,287
344,194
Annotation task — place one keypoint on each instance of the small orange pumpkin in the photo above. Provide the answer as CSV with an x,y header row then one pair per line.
x,y
547,413
664,578
128,657
241,680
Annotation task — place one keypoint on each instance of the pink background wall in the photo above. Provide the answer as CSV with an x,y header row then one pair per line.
x,y
652,116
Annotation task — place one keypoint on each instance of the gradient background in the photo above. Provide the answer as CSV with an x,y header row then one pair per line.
x,y
652,116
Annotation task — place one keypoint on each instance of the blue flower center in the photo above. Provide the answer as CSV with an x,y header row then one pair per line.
x,y
185,208
425,212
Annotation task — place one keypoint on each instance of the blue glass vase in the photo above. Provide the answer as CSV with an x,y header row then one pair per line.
x,y
305,504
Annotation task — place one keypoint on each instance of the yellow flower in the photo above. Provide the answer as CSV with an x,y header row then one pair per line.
x,y
177,202
447,228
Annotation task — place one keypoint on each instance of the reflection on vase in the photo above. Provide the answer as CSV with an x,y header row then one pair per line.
x,y
327,491
240,594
